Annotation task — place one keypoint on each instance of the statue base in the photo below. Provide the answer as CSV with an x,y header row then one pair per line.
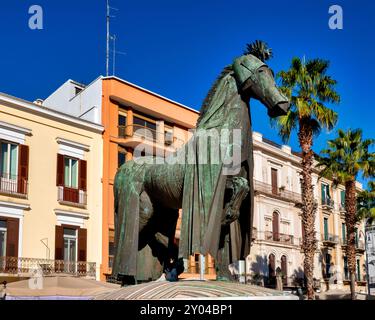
x,y
195,289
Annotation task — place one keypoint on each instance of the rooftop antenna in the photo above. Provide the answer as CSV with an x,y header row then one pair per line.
x,y
108,34
114,52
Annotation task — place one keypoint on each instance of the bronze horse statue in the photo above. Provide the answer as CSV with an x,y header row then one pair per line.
x,y
216,197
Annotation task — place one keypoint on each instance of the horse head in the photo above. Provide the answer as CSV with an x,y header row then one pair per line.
x,y
256,80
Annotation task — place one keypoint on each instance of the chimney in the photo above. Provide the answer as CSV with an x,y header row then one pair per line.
x,y
39,102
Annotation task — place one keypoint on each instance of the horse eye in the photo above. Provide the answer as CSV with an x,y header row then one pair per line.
x,y
260,70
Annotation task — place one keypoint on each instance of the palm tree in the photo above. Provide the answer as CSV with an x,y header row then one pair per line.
x,y
345,158
308,88
259,49
366,204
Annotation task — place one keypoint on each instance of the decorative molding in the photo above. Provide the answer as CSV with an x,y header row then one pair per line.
x,y
13,206
27,106
13,133
71,148
71,218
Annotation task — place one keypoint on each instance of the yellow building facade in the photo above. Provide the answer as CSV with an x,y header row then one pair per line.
x,y
50,191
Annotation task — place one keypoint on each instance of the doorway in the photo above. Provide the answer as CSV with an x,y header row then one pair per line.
x,y
70,250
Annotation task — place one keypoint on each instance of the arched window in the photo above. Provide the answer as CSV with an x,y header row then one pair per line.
x,y
284,269
275,226
271,266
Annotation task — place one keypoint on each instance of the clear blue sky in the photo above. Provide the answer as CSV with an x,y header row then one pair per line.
x,y
177,48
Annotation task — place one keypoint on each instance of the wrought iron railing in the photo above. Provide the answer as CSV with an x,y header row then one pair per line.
x,y
13,185
28,266
72,196
131,131
359,245
328,202
280,192
327,237
280,237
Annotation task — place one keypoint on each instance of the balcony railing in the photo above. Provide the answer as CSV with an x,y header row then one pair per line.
x,y
145,133
279,193
13,185
72,196
280,237
328,203
330,239
359,245
28,266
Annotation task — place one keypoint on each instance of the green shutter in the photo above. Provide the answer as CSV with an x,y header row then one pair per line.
x,y
325,229
343,197
358,270
343,230
323,193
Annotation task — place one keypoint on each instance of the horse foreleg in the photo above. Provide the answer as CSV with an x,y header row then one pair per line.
x,y
240,188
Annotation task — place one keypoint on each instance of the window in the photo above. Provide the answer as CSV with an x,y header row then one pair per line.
x,y
284,269
356,237
325,194
8,160
271,268
358,270
328,265
140,122
121,156
70,249
71,173
275,226
343,232
274,182
3,238
70,244
122,123
325,222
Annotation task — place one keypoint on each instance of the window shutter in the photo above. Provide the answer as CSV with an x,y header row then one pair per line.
x,y
12,237
60,170
59,243
82,244
23,169
82,175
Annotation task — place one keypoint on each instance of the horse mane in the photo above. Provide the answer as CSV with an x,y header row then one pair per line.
x,y
211,94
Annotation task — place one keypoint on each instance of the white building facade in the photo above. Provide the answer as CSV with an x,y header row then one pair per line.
x,y
277,227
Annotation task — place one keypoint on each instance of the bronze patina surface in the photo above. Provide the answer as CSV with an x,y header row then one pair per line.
x,y
216,197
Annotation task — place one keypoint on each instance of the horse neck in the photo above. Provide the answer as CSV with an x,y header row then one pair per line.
x,y
224,92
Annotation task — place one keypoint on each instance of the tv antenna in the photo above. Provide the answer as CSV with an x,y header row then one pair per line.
x,y
109,8
115,52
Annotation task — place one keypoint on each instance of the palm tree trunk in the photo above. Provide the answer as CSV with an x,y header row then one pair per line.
x,y
350,219
305,136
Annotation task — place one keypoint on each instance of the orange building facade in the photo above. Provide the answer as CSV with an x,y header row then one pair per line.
x,y
127,108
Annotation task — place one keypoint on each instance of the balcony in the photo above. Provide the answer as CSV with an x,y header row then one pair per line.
x,y
13,185
280,237
72,197
328,204
360,245
25,267
281,193
132,135
342,208
330,240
